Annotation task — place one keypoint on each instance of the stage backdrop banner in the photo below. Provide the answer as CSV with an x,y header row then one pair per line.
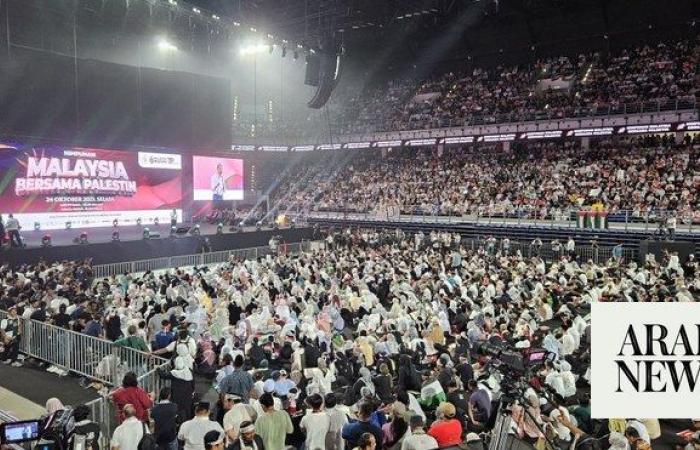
x,y
214,176
87,187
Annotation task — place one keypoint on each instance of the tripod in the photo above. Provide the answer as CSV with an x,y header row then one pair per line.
x,y
501,429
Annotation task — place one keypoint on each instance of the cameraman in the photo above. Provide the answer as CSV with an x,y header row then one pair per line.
x,y
86,432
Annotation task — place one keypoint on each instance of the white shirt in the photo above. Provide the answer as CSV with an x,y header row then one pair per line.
x,y
316,426
217,184
12,224
193,431
128,435
235,416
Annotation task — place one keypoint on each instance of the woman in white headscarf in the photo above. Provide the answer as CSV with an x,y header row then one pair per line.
x,y
181,386
53,404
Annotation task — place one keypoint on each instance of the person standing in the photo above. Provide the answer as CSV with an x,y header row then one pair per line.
x,y
165,419
131,394
218,186
173,218
193,431
129,433
418,439
12,227
316,424
338,419
273,426
10,336
239,382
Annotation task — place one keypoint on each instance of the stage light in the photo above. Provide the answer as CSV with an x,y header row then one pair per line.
x,y
115,236
172,2
138,222
300,46
146,233
69,225
215,17
258,226
236,24
252,49
115,223
46,240
196,10
254,30
83,239
240,227
220,228
195,230
166,46
37,226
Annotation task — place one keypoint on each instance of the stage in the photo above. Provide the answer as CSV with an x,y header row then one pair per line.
x,y
132,246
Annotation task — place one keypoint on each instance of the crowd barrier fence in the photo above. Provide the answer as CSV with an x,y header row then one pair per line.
x,y
643,221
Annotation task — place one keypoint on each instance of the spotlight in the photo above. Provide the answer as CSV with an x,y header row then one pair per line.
x,y
83,239
240,227
115,236
138,222
166,46
146,233
115,223
37,226
220,228
69,225
46,240
258,226
195,230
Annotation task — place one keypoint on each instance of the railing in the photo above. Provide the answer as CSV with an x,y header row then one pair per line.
x,y
369,124
94,358
104,412
106,270
568,112
645,221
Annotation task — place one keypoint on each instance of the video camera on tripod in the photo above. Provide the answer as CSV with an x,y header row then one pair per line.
x,y
50,433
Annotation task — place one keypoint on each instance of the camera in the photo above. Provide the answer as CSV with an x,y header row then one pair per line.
x,y
52,432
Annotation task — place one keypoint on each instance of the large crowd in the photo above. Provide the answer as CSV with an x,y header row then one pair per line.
x,y
374,339
547,180
637,79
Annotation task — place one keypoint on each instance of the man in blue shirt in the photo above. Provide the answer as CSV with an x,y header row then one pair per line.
x,y
164,337
282,383
94,326
353,430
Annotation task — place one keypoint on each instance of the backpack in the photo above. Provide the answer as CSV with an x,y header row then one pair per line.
x,y
148,441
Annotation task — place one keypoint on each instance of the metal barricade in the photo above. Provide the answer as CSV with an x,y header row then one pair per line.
x,y
199,259
94,358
